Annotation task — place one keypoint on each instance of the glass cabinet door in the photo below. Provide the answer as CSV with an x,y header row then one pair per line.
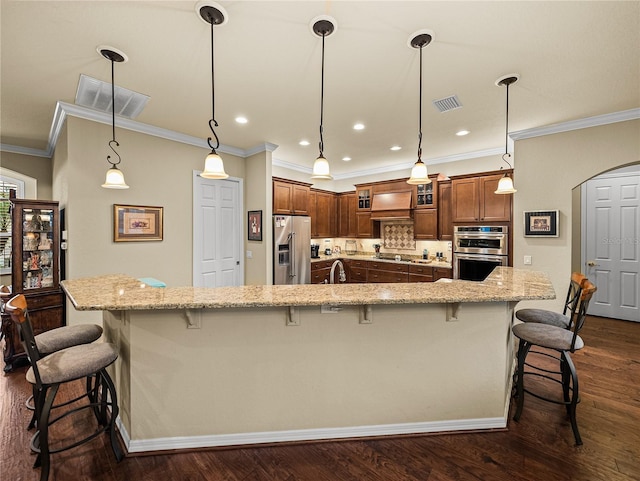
x,y
37,248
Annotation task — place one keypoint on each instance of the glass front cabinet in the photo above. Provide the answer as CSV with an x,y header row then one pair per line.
x,y
36,246
35,272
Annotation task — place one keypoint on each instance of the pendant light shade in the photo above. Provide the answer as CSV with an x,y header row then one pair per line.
x,y
114,178
505,185
213,14
419,174
321,169
214,167
322,26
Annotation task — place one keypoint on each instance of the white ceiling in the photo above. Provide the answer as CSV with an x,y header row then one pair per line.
x,y
575,60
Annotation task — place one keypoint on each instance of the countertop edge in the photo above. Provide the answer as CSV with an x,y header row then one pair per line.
x,y
122,292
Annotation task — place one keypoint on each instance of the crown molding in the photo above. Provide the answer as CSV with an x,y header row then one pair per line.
x,y
622,116
63,109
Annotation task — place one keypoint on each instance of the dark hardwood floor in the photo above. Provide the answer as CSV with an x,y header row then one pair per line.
x,y
539,447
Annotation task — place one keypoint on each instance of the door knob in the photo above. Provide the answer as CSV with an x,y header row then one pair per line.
x,y
592,263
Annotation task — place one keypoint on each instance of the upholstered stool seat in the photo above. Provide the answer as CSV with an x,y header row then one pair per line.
x,y
73,363
67,336
550,337
543,316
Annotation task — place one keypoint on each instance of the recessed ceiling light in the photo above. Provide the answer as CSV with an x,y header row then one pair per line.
x,y
461,133
346,159
395,147
358,127
304,143
241,120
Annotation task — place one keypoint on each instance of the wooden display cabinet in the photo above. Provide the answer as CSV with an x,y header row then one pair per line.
x,y
35,261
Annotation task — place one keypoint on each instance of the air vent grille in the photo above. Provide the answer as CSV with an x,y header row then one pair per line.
x,y
448,103
96,94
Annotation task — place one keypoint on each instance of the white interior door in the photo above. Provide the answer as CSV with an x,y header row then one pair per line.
x,y
217,232
611,245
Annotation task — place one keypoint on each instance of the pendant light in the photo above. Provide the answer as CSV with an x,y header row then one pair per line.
x,y
419,171
114,178
322,26
505,185
213,14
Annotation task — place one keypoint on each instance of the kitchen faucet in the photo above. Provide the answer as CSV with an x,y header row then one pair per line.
x,y
342,276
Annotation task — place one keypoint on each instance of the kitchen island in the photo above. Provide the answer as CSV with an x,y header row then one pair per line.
x,y
201,367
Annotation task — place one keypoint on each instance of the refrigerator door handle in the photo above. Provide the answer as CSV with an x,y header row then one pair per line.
x,y
292,246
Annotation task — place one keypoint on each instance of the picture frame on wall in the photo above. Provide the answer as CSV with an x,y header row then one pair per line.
x,y
544,223
135,223
254,225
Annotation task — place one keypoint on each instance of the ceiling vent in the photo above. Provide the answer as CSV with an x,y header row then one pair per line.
x,y
448,103
96,94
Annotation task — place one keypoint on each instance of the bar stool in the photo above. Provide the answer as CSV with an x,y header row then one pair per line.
x,y
70,364
543,316
56,340
561,340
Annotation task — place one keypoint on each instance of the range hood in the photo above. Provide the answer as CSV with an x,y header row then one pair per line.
x,y
391,205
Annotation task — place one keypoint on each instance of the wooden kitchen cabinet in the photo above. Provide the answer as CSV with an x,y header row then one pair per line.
x,y
35,272
356,270
387,272
364,195
425,196
347,205
326,214
320,272
445,220
442,273
420,273
473,200
365,227
425,224
290,197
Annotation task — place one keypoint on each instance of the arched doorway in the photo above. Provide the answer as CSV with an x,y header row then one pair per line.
x,y
610,241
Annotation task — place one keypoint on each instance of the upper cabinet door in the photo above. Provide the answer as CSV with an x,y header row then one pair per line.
x,y
290,198
493,207
466,200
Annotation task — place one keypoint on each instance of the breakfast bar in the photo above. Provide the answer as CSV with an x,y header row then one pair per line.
x,y
203,367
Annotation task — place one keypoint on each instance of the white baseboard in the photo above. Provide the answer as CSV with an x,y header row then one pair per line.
x,y
217,440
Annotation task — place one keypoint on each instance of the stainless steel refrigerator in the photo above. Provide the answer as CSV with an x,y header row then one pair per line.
x,y
292,249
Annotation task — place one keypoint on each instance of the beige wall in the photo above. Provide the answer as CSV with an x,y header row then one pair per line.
x,y
548,169
38,168
258,268
159,173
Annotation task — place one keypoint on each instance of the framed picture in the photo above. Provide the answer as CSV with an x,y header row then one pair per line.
x,y
254,224
541,223
132,223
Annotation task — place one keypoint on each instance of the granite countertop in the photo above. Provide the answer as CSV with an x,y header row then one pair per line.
x,y
370,257
122,292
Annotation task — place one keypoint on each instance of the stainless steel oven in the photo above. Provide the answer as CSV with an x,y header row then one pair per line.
x,y
477,250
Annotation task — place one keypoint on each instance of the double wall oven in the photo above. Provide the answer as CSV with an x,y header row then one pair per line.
x,y
477,250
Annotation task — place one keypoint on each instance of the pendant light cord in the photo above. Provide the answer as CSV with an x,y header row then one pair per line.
x,y
506,133
113,118
420,111
321,144
213,123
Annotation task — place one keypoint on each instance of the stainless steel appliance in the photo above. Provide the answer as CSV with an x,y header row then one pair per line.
x,y
315,251
477,250
292,255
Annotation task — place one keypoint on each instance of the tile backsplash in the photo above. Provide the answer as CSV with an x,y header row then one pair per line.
x,y
398,236
366,245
